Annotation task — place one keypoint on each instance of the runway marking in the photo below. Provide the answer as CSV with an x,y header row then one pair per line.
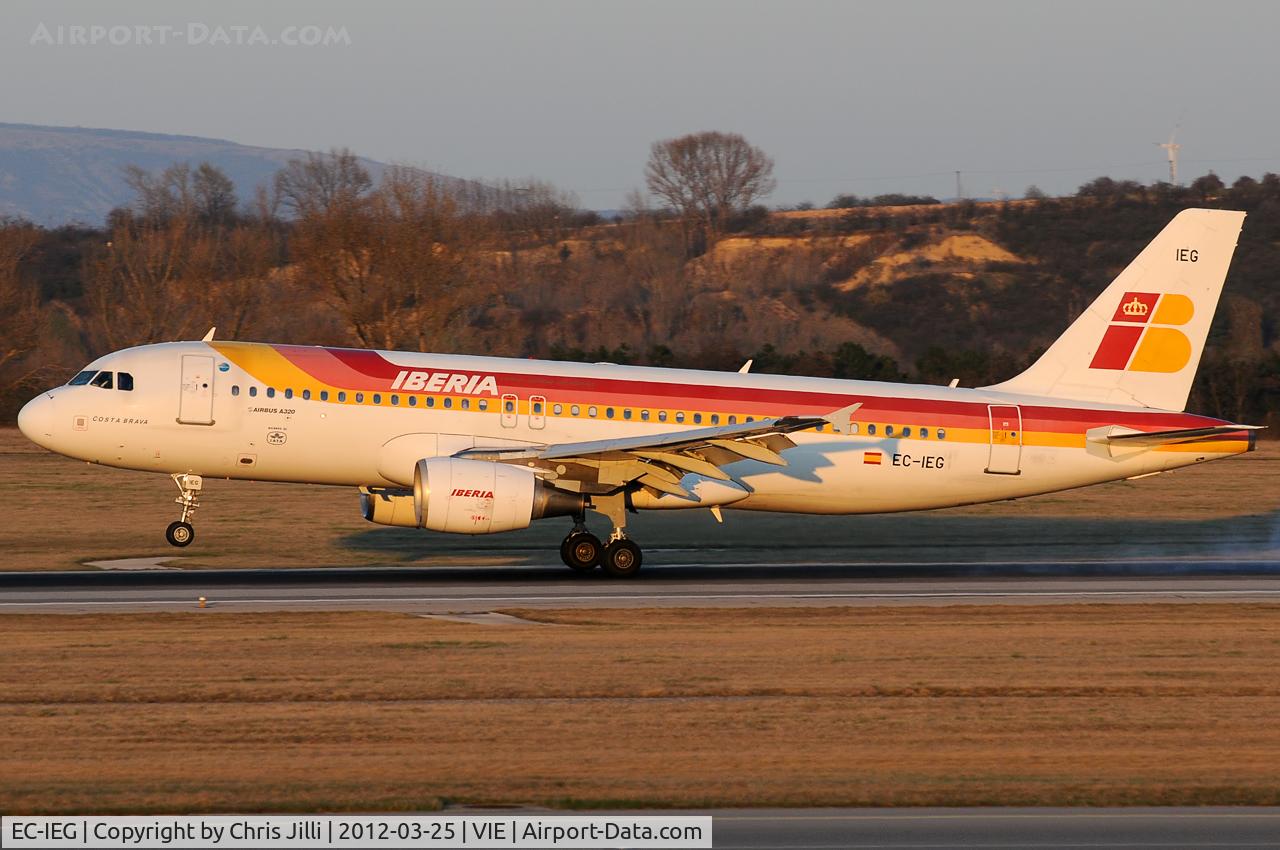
x,y
622,597
135,564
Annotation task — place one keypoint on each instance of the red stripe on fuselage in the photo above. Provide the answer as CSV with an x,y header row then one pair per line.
x,y
348,365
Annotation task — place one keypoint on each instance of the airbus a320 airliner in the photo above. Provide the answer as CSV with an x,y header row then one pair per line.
x,y
478,445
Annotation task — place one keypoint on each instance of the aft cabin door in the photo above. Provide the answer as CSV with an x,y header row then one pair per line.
x,y
195,404
1006,440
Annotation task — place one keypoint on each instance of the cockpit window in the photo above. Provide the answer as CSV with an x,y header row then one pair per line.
x,y
124,381
102,380
82,378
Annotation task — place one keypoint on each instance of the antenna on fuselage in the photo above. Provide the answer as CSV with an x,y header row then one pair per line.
x,y
209,336
746,367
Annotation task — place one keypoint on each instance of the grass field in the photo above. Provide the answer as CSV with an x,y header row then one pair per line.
x,y
1061,705
59,513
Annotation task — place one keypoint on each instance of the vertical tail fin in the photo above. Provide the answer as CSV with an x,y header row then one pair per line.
x,y
1140,341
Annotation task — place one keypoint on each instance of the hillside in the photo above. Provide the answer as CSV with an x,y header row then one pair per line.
x,y
61,175
969,291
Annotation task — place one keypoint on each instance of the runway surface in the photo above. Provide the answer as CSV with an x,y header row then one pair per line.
x,y
1062,829
479,589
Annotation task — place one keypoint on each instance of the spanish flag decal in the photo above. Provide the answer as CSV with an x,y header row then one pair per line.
x,y
872,458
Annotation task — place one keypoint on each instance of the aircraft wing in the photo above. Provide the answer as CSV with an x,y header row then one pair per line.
x,y
659,461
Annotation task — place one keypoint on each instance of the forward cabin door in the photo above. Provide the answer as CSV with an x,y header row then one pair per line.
x,y
1006,439
195,404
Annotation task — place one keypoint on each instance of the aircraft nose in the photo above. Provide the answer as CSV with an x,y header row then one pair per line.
x,y
36,419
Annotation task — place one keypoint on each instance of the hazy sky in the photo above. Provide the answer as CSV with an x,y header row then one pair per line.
x,y
847,97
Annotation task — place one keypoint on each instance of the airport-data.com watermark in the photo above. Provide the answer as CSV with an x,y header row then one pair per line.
x,y
190,34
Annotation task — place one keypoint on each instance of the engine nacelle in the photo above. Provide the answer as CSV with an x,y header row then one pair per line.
x,y
480,497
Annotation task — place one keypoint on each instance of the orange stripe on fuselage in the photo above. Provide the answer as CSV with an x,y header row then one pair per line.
x,y
300,367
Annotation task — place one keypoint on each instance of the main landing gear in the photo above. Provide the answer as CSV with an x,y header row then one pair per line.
x,y
582,551
181,533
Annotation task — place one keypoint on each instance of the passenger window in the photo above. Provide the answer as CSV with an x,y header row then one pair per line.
x,y
465,404
235,389
82,378
697,418
679,415
537,408
644,414
271,392
253,392
715,419
306,395
574,410
888,430
626,414
377,398
871,430
431,401
591,411
448,401
342,395
484,404
733,420
924,433
102,379
359,398
662,416
288,392
395,400
413,401
558,409
906,432
509,406
608,412
942,433
124,381
853,427
324,395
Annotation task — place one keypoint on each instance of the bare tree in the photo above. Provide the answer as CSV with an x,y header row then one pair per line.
x,y
164,196
707,177
215,194
134,286
322,182
391,264
19,300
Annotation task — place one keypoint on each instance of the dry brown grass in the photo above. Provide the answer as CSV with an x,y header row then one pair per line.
x,y
1062,705
59,513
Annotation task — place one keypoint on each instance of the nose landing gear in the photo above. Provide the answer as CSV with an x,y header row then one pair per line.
x,y
181,532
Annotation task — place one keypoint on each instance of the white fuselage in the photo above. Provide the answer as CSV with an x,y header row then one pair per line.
x,y
343,417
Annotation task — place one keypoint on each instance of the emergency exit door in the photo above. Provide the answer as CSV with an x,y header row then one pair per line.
x,y
195,404
1006,439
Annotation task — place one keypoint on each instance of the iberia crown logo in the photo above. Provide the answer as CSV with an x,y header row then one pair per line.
x,y
1135,307
1143,335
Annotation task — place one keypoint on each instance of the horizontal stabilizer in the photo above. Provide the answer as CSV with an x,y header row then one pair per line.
x,y
1118,435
